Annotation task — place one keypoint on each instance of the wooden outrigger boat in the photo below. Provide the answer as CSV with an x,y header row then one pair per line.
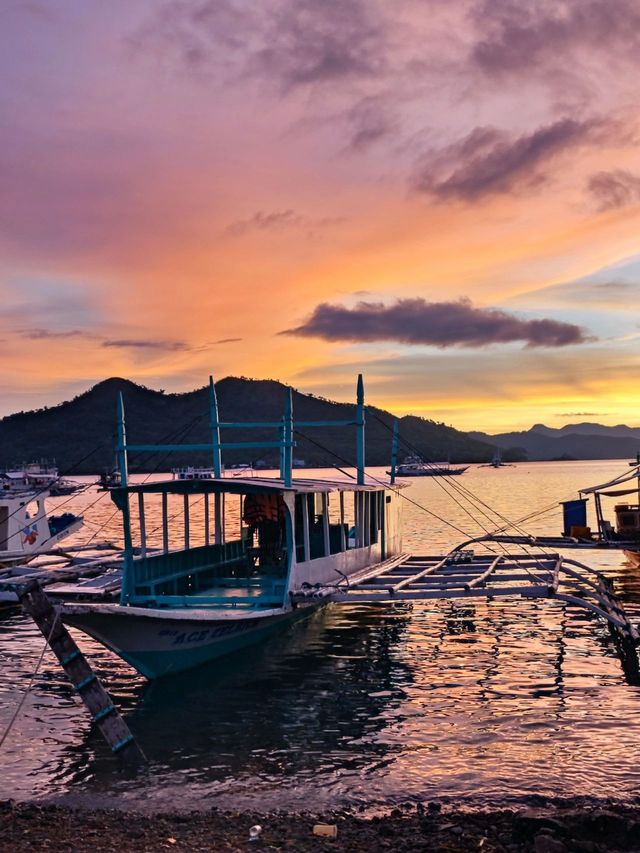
x,y
623,534
25,528
182,608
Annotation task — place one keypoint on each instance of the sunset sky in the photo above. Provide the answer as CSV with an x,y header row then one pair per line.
x,y
442,194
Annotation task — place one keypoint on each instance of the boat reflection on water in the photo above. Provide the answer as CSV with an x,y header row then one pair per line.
x,y
312,700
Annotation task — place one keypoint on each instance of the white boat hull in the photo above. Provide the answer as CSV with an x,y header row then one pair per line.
x,y
159,643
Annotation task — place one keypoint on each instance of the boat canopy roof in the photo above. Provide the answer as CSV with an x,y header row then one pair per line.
x,y
634,474
246,485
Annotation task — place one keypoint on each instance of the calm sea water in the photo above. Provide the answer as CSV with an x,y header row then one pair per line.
x,y
479,701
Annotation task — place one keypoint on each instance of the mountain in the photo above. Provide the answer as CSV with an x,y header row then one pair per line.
x,y
573,441
80,434
620,431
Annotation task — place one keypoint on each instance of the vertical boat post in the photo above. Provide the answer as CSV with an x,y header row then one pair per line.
x,y
217,463
394,452
165,524
282,442
187,534
287,436
126,517
360,431
143,526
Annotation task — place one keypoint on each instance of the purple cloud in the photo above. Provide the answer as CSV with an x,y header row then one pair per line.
x,y
489,160
439,324
321,41
47,334
521,35
295,44
614,189
278,220
173,346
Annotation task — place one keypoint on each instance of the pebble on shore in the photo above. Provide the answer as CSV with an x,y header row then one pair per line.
x,y
415,827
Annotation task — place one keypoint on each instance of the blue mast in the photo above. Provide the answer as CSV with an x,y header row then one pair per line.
x,y
218,500
394,451
360,431
126,517
287,439
215,429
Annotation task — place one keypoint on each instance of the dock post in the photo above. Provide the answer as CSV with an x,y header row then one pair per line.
x,y
394,452
360,431
86,683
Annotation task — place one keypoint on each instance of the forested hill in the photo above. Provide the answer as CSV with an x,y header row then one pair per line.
x,y
80,434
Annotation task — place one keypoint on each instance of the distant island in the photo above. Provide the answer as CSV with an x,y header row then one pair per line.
x,y
80,434
573,441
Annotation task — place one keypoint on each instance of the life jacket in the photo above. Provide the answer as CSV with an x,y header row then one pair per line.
x,y
262,507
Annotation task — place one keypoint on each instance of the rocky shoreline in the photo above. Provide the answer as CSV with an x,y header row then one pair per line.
x,y
563,828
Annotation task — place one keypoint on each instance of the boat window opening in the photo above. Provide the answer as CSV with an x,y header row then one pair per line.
x,y
207,520
299,526
31,510
165,524
316,526
349,518
374,517
186,520
362,519
4,526
337,534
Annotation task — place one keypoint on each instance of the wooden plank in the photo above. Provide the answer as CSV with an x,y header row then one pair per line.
x,y
86,683
428,571
481,578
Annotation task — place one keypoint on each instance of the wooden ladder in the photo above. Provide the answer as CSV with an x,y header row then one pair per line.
x,y
103,712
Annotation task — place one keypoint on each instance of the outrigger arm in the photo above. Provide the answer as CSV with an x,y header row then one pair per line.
x,y
461,574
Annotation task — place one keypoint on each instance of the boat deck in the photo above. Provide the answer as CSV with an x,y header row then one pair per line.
x,y
93,577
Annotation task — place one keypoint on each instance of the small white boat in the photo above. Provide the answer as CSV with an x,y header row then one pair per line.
x,y
25,528
37,476
496,462
192,472
414,466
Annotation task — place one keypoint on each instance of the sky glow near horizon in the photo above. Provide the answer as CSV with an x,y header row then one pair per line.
x,y
442,194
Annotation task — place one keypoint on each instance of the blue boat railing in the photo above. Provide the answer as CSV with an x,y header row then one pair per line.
x,y
175,579
160,567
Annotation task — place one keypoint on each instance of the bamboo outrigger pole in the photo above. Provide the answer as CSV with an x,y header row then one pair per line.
x,y
103,712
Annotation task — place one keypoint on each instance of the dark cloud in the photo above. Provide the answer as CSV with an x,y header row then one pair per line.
x,y
614,189
46,334
440,324
200,34
278,220
489,160
173,346
295,44
322,41
262,221
519,35
228,341
370,121
579,414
